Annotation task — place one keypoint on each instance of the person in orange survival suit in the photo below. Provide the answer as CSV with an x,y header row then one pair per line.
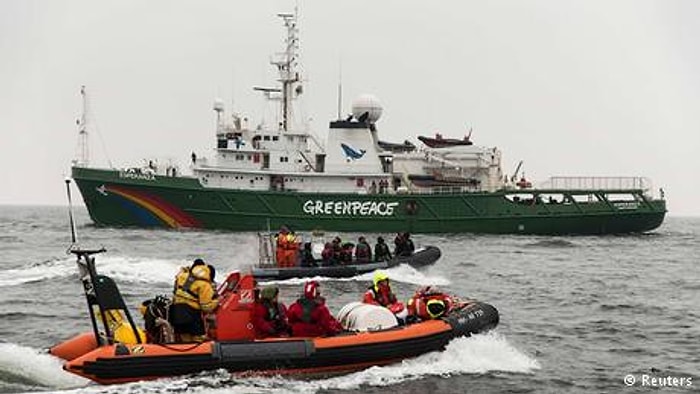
x,y
429,303
281,246
291,252
309,316
380,294
193,294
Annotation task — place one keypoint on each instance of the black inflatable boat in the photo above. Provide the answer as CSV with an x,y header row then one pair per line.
x,y
420,258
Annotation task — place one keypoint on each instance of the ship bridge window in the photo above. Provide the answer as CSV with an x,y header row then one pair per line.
x,y
284,159
275,138
266,138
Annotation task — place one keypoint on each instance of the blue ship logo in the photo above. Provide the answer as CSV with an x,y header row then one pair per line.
x,y
352,153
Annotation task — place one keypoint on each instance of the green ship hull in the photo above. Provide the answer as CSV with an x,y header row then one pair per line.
x,y
118,198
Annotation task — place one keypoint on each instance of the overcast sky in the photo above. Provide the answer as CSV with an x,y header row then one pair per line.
x,y
608,88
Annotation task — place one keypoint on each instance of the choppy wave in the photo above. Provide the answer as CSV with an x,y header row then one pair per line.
x,y
402,273
19,316
551,243
29,367
38,272
474,355
141,270
10,238
122,269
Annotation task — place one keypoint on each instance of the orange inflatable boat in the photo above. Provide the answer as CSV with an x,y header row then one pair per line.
x,y
118,353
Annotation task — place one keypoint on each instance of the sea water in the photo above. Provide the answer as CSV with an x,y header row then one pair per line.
x,y
604,314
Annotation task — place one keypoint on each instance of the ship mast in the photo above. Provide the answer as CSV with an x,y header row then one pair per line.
x,y
83,158
286,63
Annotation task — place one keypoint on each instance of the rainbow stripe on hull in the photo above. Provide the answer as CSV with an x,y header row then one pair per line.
x,y
152,210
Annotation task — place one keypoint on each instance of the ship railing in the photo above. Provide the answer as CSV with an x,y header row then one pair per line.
x,y
597,183
620,183
444,190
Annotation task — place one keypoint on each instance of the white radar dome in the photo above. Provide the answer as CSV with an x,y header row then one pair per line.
x,y
369,104
218,105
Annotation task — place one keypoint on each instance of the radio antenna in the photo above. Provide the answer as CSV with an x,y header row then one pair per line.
x,y
74,237
340,87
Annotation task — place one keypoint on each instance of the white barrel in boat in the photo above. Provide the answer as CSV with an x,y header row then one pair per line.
x,y
358,316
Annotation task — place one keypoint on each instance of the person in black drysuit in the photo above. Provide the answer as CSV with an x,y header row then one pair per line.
x,y
307,256
381,250
404,244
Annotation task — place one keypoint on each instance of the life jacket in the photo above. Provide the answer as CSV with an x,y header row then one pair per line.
x,y
268,318
281,241
429,303
363,252
381,298
307,308
307,258
327,253
402,247
410,247
193,287
309,316
273,311
346,252
337,251
382,252
291,242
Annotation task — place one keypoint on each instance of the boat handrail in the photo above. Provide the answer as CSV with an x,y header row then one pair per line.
x,y
597,183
